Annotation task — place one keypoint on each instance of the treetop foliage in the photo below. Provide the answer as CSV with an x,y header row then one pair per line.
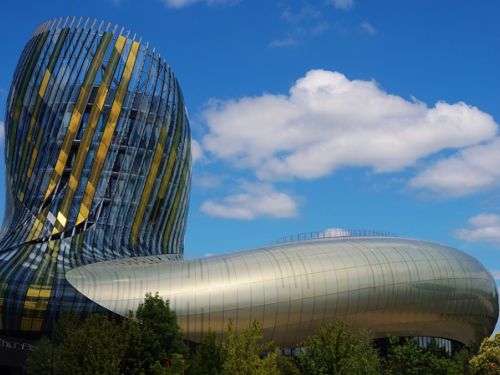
x,y
339,349
487,361
150,342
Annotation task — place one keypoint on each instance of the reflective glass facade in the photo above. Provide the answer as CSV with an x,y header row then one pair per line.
x,y
98,164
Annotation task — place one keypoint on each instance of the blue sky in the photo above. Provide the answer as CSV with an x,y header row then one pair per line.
x,y
310,115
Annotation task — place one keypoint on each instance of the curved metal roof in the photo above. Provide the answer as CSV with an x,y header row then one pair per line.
x,y
389,286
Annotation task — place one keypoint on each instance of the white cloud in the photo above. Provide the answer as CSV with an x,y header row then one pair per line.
x,y
468,171
306,22
342,4
482,227
196,151
2,133
307,12
319,28
208,181
290,40
327,122
178,4
256,200
368,28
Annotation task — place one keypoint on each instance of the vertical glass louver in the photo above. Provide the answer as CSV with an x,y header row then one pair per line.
x,y
98,165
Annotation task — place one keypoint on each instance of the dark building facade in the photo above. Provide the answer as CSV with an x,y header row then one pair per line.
x,y
98,165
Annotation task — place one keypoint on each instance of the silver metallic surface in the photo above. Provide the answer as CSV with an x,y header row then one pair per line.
x,y
390,286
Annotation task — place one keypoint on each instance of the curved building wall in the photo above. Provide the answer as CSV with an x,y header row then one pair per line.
x,y
389,286
98,164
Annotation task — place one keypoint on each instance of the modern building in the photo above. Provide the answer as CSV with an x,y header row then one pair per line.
x,y
98,175
98,165
387,285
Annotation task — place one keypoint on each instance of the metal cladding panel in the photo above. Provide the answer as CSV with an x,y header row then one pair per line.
x,y
98,154
389,286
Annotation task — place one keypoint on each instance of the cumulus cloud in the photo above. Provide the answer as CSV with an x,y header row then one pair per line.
x,y
470,170
196,151
342,4
482,227
208,181
178,4
367,28
255,200
328,121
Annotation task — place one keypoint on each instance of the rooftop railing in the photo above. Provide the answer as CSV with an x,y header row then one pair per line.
x,y
335,233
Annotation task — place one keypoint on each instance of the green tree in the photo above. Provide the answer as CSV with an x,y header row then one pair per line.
x,y
132,362
42,358
487,360
339,349
209,356
177,365
407,358
149,344
440,363
94,347
243,351
462,359
160,337
45,355
287,366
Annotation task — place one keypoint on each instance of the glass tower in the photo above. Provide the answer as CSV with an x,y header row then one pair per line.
x,y
98,165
